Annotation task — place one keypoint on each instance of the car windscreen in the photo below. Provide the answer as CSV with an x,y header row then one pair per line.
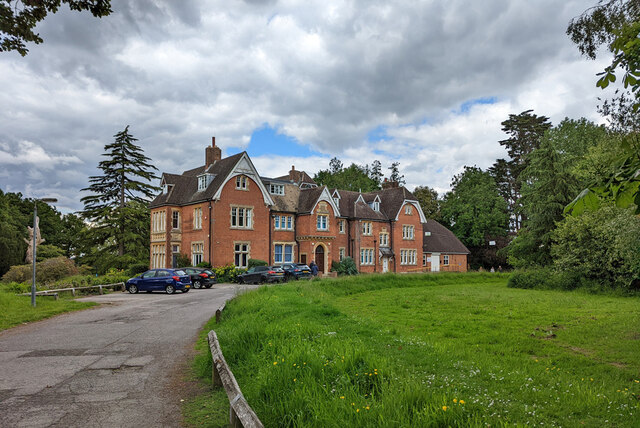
x,y
180,272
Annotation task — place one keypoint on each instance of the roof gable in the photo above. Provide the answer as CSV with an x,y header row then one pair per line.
x,y
244,166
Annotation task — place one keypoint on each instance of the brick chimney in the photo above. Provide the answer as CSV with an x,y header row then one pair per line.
x,y
293,174
212,153
387,184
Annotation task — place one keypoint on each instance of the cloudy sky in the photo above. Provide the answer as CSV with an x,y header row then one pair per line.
x,y
424,83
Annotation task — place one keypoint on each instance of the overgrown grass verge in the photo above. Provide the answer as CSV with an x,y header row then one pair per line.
x,y
427,350
16,310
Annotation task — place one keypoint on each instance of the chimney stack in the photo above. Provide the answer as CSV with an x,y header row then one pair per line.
x,y
293,176
387,184
212,154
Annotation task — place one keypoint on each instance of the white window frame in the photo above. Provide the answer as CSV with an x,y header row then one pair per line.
x,y
366,256
197,253
202,183
408,209
197,218
276,189
341,226
341,253
159,221
424,260
408,257
241,217
366,228
445,260
242,182
408,232
384,242
283,222
322,222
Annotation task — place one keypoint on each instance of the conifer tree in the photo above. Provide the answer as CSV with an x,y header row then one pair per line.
x,y
118,205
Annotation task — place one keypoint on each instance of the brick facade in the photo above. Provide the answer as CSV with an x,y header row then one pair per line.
x,y
225,213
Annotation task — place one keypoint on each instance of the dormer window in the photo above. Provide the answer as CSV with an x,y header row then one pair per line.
x,y
276,189
202,183
241,182
408,209
165,188
376,206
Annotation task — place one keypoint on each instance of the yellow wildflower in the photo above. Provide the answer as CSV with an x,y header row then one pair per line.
x,y
342,397
367,407
455,400
461,401
294,379
444,408
357,410
275,363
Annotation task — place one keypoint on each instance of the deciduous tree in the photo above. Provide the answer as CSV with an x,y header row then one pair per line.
x,y
18,18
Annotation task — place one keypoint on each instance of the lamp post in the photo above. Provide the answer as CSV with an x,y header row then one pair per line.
x,y
35,234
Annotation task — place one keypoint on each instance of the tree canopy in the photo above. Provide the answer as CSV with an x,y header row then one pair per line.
x,y
117,205
18,19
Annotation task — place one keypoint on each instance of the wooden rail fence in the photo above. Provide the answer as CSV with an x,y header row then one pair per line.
x,y
240,413
118,285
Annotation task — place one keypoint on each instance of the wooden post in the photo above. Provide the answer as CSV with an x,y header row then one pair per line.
x,y
100,289
73,292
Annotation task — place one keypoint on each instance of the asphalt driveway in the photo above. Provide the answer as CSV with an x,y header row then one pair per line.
x,y
109,366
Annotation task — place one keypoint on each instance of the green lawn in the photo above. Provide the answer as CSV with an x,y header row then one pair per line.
x,y
428,350
16,310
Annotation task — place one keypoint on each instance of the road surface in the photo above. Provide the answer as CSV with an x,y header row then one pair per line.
x,y
109,366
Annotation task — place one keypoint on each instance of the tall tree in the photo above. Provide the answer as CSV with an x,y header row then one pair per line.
x,y
395,175
13,231
376,171
18,18
525,131
429,202
475,212
117,206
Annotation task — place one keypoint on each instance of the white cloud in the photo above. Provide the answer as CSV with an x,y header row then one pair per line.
x,y
30,154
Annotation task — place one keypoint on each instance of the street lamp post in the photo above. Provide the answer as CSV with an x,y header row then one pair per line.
x,y
35,235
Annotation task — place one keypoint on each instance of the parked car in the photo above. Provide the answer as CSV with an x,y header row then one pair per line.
x,y
261,274
167,280
295,271
201,277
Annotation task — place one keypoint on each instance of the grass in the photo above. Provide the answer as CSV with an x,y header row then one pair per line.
x,y
16,310
427,350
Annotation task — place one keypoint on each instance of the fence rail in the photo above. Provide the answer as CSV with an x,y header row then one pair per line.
x,y
240,413
119,285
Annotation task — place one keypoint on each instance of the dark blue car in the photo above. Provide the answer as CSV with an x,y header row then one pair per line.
x,y
167,280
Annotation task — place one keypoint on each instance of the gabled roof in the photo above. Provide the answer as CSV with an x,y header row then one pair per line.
x,y
441,240
185,186
298,177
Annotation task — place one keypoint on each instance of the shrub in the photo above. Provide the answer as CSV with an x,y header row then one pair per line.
x,y
47,271
599,247
335,266
346,267
256,262
137,268
205,265
183,260
227,273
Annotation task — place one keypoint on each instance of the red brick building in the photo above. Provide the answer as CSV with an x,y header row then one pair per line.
x,y
225,212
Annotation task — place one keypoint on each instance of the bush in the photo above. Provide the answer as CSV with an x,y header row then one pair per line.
x,y
346,267
183,260
47,271
47,251
227,273
256,262
600,247
137,268
205,265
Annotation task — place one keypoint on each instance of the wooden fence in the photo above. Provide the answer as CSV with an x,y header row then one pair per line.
x,y
240,413
117,285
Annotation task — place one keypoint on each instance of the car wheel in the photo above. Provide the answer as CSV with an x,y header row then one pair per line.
x,y
170,289
208,286
197,284
133,289
240,280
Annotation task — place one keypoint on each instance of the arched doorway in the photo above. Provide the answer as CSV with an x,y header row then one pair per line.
x,y
319,256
